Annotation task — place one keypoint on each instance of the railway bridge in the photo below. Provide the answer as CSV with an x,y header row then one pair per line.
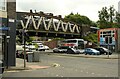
x,y
46,25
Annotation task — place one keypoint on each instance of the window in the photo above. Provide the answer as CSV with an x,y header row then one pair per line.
x,y
81,44
3,5
70,41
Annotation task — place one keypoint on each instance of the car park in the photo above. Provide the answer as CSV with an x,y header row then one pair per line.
x,y
91,51
61,49
103,50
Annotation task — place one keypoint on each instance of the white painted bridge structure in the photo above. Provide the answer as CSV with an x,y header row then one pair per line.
x,y
49,25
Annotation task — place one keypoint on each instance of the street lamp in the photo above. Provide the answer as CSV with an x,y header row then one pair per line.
x,y
8,39
24,42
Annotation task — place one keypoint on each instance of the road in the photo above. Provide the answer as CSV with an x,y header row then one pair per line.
x,y
70,67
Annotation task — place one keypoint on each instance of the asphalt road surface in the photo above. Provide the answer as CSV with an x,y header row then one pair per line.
x,y
66,66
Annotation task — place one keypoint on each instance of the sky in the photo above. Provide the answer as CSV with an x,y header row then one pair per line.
x,y
87,8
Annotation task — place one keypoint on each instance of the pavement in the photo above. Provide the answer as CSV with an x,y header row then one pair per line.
x,y
28,66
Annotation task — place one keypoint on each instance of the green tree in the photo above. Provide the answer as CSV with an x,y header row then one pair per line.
x,y
79,19
92,38
108,17
117,20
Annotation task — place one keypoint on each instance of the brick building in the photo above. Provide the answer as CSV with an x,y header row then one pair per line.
x,y
110,37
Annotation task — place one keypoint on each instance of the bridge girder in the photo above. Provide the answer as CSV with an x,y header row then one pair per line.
x,y
45,24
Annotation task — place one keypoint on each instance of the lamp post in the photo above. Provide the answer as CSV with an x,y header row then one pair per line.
x,y
108,46
8,38
24,42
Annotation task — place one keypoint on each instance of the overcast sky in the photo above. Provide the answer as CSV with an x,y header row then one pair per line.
x,y
88,8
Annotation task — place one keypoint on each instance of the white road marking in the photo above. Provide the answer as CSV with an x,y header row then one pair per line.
x,y
61,76
57,75
87,72
92,73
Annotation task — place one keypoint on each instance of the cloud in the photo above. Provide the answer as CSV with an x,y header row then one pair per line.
x,y
88,8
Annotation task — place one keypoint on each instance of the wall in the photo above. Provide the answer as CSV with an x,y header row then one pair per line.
x,y
11,13
51,44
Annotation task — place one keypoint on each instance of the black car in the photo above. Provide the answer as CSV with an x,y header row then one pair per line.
x,y
74,51
103,50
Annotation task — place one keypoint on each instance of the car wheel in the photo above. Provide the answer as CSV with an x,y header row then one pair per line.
x,y
85,53
53,52
98,54
90,53
93,54
110,53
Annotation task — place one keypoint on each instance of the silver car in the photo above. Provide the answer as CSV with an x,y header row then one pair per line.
x,y
61,49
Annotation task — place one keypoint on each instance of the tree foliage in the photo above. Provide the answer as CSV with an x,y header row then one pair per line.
x,y
79,19
108,18
92,38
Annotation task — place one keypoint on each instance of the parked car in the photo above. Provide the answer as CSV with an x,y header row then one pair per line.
x,y
61,49
91,51
74,51
46,47
19,47
31,47
103,50
20,54
41,47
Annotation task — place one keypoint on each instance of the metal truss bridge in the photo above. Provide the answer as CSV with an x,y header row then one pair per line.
x,y
47,25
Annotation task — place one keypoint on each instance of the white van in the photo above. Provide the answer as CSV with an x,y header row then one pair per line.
x,y
74,43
